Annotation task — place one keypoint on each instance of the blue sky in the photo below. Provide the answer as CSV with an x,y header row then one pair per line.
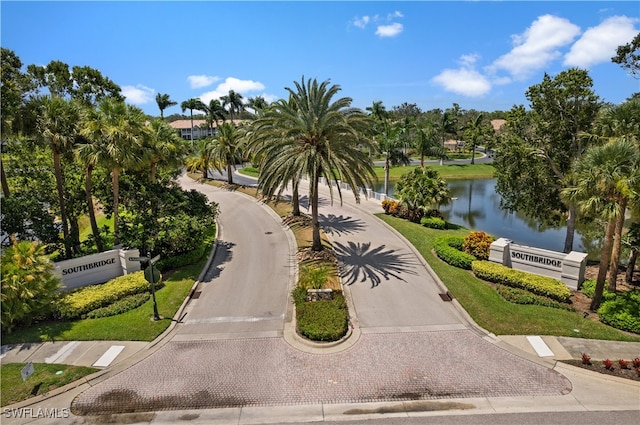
x,y
482,55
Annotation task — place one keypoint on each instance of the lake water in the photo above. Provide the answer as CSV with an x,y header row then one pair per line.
x,y
477,206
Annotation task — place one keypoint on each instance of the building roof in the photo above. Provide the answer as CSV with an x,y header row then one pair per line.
x,y
497,124
180,124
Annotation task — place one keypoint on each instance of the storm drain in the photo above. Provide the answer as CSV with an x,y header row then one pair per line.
x,y
446,296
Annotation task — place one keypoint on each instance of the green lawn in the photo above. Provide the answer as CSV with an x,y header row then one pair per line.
x,y
101,220
46,377
448,171
488,309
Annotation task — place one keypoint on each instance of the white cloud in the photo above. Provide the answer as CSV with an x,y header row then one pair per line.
x,y
361,22
138,94
199,81
230,83
537,46
396,14
598,44
464,81
389,30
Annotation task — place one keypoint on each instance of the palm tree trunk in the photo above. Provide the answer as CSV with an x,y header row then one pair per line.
x,y
633,256
191,114
152,173
115,178
229,174
473,153
617,247
3,178
571,229
74,231
422,159
604,265
88,187
63,213
295,199
386,175
317,243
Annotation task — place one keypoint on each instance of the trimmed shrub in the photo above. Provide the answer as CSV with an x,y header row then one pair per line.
x,y
448,250
478,244
539,285
182,260
390,206
588,287
73,305
314,276
621,310
324,320
121,306
520,296
433,223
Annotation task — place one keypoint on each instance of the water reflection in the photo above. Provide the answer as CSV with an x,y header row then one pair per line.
x,y
477,206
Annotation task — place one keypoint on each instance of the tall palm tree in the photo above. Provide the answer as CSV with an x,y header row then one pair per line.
x,y
258,104
57,125
233,101
192,104
227,149
162,147
606,176
378,110
390,144
164,101
90,155
447,126
316,136
427,140
215,112
476,130
118,130
200,158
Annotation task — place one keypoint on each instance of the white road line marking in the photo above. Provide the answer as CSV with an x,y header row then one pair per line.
x,y
62,353
233,319
109,356
539,345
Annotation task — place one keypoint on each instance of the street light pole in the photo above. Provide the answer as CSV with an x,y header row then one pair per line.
x,y
152,279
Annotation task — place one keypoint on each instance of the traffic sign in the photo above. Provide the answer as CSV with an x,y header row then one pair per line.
x,y
152,274
27,371
155,259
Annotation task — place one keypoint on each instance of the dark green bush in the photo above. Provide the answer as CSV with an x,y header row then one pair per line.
x,y
182,260
448,248
120,306
621,310
325,320
433,223
520,296
299,295
539,285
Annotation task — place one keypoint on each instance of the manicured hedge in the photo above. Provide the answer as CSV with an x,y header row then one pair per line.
x,y
433,223
324,320
621,310
540,285
448,248
121,306
521,296
73,305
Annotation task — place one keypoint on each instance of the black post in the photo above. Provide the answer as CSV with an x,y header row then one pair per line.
x,y
156,316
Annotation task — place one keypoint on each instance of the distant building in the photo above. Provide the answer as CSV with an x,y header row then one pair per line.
x,y
201,129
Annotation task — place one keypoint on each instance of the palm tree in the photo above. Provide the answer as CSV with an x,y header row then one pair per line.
x,y
234,102
200,159
605,175
227,149
162,147
89,154
476,130
164,101
447,126
390,144
118,130
312,134
192,104
378,111
214,112
422,188
57,125
426,141
258,104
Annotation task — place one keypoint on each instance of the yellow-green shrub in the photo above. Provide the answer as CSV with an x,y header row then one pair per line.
x,y
73,305
540,285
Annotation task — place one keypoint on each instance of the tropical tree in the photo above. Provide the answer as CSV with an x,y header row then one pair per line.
x,y
28,284
378,111
447,126
118,131
227,149
192,104
628,56
233,102
390,144
258,104
215,112
427,140
200,158
606,177
57,125
163,147
423,188
476,130
322,139
89,154
540,147
164,101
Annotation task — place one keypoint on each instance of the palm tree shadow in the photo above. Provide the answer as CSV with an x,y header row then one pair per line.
x,y
223,255
339,226
358,262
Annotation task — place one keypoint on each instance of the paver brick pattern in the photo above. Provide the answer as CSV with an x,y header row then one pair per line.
x,y
270,372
